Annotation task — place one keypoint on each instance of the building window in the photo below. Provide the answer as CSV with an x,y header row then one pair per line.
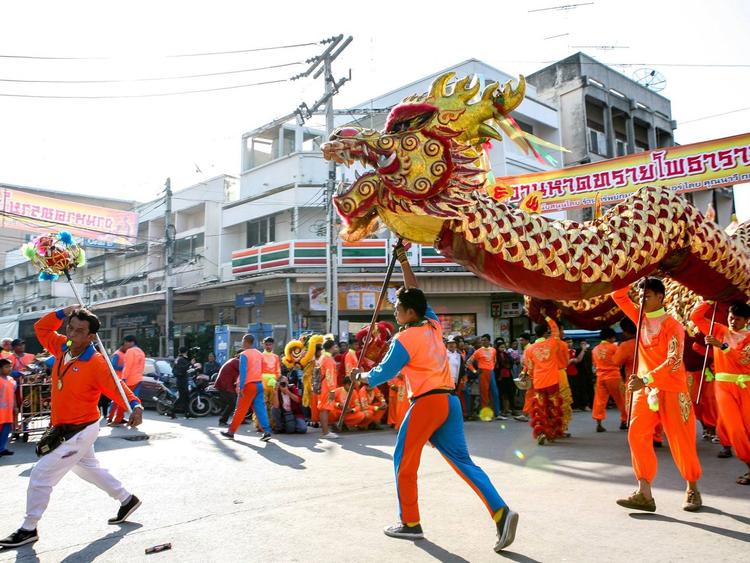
x,y
187,248
621,147
597,140
261,231
527,127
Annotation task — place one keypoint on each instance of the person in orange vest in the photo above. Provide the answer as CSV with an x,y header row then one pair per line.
x,y
435,415
7,405
355,417
541,361
608,380
731,345
660,395
133,366
79,375
327,366
250,390
352,357
483,361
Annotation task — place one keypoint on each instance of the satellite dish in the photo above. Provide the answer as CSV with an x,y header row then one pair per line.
x,y
650,78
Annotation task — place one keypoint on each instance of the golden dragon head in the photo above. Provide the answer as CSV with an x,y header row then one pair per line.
x,y
426,161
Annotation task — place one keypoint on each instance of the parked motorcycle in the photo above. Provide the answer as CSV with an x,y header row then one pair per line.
x,y
202,400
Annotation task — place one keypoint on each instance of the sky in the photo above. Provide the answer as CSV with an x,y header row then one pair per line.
x,y
127,147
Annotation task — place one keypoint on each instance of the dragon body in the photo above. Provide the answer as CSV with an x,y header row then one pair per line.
x,y
428,184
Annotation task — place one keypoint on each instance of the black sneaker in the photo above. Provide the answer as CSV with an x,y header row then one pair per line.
x,y
506,530
266,437
125,510
6,452
600,428
19,537
400,530
227,434
623,426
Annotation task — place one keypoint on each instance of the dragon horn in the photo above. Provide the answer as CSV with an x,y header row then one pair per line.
x,y
489,132
511,98
489,91
437,89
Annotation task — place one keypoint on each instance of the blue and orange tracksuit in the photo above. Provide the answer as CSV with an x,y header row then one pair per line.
x,y
435,414
251,385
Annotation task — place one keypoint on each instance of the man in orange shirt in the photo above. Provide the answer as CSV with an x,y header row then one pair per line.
x,y
250,390
362,397
133,366
327,395
483,360
660,395
351,358
79,375
397,400
271,371
418,352
563,359
356,417
377,403
541,362
731,344
608,380
7,405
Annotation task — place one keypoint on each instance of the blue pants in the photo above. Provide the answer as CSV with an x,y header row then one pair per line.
x,y
495,394
5,429
436,418
252,395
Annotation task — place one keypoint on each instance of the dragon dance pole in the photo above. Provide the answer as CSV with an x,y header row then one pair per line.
x,y
641,307
705,356
102,349
368,338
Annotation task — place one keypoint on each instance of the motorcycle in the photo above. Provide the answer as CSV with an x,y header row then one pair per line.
x,y
201,400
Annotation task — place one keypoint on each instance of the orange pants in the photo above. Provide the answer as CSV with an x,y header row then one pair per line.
x,y
377,416
484,387
605,388
314,412
678,419
734,416
351,420
252,394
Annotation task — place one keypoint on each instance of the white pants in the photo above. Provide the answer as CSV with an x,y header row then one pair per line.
x,y
76,454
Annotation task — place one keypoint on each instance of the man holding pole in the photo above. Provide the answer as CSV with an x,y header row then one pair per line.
x,y
79,375
418,352
731,344
660,395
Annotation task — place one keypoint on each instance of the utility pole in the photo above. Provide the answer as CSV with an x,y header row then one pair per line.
x,y
334,49
168,262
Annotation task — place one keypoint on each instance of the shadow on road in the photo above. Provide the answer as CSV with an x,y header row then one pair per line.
x,y
275,454
101,545
517,557
734,534
220,443
438,552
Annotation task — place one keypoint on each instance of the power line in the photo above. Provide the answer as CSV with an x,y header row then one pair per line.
x,y
712,116
128,96
254,50
151,79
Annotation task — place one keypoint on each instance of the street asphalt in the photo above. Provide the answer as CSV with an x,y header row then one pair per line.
x,y
298,498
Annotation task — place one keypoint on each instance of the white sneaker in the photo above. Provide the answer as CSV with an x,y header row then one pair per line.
x,y
329,436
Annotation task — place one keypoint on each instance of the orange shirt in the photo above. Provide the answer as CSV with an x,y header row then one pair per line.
x,y
375,398
271,364
660,346
134,366
251,367
22,362
350,361
625,355
484,358
84,379
340,398
734,360
327,374
603,356
7,399
541,361
364,398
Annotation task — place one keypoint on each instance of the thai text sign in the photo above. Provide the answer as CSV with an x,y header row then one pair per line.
x,y
30,212
686,168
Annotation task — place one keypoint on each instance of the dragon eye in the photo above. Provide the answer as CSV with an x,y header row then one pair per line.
x,y
410,122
